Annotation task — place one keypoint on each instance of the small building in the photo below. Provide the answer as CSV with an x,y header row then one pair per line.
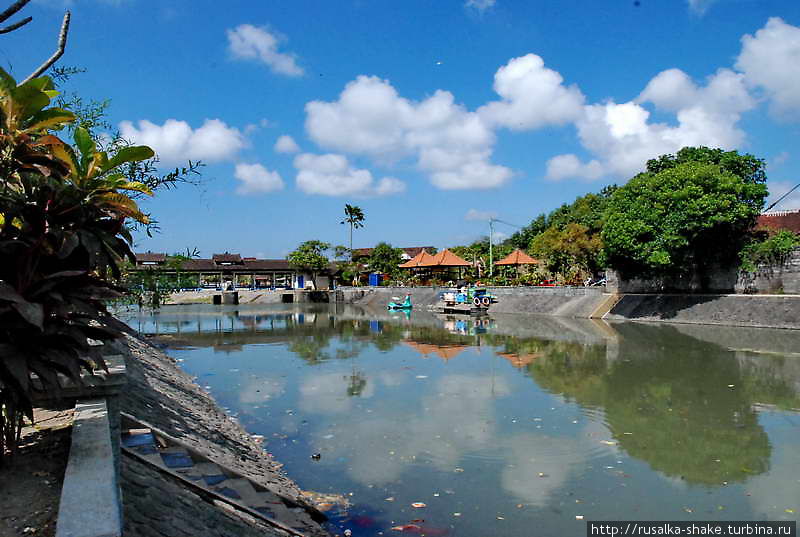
x,y
247,272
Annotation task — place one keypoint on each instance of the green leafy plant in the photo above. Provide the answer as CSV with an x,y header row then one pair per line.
x,y
63,214
771,250
686,212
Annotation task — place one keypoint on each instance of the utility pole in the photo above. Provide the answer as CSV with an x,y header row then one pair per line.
x,y
491,233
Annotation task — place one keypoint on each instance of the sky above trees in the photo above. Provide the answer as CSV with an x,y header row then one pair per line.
x,y
430,116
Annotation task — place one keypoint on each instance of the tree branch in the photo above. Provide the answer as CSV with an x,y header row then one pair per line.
x,y
12,27
62,44
13,8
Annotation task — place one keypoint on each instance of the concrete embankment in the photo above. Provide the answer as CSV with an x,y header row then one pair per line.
x,y
761,311
767,311
163,395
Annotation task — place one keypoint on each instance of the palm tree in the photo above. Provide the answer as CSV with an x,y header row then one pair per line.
x,y
354,216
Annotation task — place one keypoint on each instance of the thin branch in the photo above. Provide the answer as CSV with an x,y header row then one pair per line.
x,y
16,25
62,44
13,8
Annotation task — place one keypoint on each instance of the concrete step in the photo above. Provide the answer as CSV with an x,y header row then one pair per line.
x,y
247,493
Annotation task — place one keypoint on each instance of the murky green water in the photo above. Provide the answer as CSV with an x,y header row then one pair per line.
x,y
510,425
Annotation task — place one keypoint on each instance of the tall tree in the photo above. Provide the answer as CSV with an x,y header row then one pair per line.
x,y
354,216
684,213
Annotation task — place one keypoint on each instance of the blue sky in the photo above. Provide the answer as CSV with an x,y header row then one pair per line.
x,y
429,115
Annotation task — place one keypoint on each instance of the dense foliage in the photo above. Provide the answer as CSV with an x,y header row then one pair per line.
x,y
686,212
385,259
310,256
769,250
63,215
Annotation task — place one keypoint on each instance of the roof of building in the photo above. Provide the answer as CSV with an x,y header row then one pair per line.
x,y
418,260
227,257
778,220
446,258
518,257
151,257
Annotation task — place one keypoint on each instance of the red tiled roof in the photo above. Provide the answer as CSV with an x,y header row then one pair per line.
x,y
518,257
226,258
780,220
446,258
418,260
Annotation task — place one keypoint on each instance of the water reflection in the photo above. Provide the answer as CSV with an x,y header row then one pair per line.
x,y
527,418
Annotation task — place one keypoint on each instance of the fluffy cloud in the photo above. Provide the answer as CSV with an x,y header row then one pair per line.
x,y
533,96
370,118
623,138
332,175
249,42
286,144
256,179
175,141
769,60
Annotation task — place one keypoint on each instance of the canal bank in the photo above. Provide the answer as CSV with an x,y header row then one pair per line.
x,y
155,501
760,311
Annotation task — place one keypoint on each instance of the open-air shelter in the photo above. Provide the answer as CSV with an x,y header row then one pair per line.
x,y
445,262
517,258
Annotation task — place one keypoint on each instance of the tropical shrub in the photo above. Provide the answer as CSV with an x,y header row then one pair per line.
x,y
63,215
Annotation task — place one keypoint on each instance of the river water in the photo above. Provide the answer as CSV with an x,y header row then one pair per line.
x,y
505,425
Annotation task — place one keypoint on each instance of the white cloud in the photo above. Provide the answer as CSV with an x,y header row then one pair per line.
x,y
622,137
475,214
175,141
452,145
569,165
256,179
700,6
249,42
286,144
480,5
332,175
769,60
533,96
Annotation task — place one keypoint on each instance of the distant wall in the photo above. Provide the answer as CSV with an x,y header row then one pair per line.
x,y
768,279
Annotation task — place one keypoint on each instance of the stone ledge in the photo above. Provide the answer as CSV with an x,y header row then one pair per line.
x,y
90,498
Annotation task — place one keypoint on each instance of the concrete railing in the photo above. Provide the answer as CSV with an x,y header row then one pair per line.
x,y
91,501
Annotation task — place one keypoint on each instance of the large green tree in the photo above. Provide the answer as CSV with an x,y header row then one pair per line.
x,y
571,252
354,216
310,256
686,212
385,259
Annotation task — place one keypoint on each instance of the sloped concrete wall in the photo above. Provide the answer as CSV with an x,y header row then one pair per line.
x,y
732,310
